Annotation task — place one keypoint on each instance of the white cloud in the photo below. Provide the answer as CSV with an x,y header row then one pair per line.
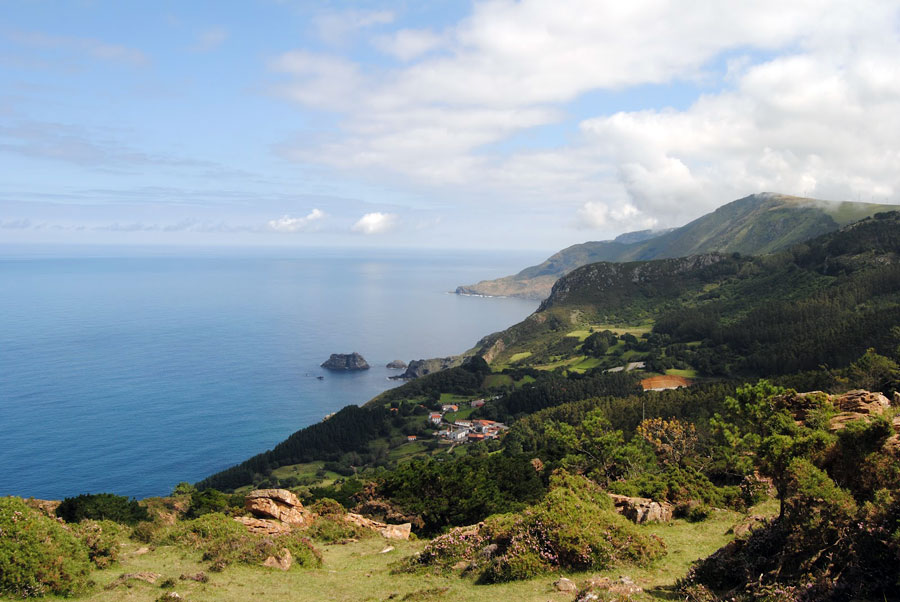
x,y
336,27
375,223
408,44
289,224
810,105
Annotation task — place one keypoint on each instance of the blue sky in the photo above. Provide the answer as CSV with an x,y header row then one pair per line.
x,y
532,124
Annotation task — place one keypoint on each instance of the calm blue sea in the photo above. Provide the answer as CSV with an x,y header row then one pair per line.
x,y
130,374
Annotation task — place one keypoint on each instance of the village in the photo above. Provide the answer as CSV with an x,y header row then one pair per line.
x,y
461,431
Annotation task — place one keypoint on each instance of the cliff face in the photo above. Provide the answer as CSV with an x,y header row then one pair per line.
x,y
345,362
754,225
419,368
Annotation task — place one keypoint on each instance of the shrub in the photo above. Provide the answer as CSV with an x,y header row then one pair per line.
x,y
212,500
38,555
574,528
224,541
330,529
102,506
102,539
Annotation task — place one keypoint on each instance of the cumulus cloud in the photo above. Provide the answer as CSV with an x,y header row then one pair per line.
x,y
375,223
289,224
801,98
407,44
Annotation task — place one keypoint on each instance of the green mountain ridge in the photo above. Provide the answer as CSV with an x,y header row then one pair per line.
x,y
754,225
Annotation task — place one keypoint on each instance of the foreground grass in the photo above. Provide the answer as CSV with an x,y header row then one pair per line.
x,y
360,571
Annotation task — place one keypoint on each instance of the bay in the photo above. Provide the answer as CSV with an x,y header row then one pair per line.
x,y
129,372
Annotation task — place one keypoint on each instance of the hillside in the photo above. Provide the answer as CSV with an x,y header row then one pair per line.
x,y
819,302
754,225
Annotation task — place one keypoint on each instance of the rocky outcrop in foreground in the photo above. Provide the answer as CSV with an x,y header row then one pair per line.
x,y
641,509
277,504
278,511
346,362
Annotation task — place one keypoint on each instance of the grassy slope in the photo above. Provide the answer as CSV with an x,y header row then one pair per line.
x,y
359,571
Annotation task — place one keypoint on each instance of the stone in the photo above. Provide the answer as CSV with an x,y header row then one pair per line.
x,y
565,585
262,526
125,577
141,551
345,362
896,398
279,504
386,550
171,596
396,365
642,510
749,524
200,577
282,562
387,531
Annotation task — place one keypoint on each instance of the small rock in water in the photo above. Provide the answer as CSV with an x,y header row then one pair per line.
x,y
345,362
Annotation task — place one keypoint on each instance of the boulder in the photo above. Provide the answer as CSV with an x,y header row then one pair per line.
x,y
641,509
749,524
861,402
387,531
283,562
856,404
279,504
565,585
598,588
397,365
345,362
262,526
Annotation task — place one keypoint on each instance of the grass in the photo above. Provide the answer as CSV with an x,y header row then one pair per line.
x,y
359,571
688,373
462,414
518,357
307,470
406,450
586,364
451,398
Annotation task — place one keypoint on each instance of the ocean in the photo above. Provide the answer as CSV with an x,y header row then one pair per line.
x,y
128,372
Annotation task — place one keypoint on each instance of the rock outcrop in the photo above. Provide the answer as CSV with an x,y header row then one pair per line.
x,y
283,562
278,504
345,362
641,509
396,365
260,526
417,368
387,531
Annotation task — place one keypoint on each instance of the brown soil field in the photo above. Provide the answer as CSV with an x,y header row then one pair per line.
x,y
662,382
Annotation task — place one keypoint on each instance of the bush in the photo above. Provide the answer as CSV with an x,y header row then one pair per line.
x,y
692,511
102,506
224,541
102,539
212,500
38,555
331,529
575,528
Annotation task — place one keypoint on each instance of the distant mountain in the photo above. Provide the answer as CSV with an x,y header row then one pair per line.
x,y
822,301
754,225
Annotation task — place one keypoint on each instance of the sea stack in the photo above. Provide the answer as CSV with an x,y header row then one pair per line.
x,y
397,365
346,362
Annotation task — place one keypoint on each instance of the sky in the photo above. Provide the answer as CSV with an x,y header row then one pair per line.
x,y
491,125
